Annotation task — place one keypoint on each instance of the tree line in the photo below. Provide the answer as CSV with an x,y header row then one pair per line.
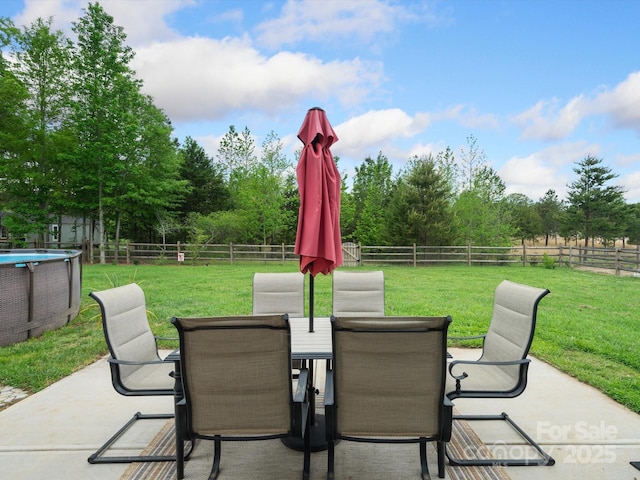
x,y
79,138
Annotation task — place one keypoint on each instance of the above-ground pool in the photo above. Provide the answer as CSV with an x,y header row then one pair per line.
x,y
39,291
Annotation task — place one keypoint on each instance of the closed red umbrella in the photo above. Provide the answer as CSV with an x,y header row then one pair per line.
x,y
318,240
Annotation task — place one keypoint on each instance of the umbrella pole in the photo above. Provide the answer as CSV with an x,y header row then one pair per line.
x,y
311,289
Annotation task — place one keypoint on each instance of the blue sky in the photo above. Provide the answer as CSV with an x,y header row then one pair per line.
x,y
539,84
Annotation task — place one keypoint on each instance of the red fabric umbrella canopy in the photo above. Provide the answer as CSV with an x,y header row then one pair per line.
x,y
318,240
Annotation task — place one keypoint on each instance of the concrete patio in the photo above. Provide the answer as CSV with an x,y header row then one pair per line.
x,y
50,434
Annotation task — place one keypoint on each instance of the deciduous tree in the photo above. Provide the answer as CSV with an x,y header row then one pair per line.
x,y
480,210
41,59
525,219
13,131
149,186
103,89
372,185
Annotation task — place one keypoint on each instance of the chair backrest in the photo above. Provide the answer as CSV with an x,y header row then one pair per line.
x,y
512,324
278,293
126,327
389,375
236,373
358,294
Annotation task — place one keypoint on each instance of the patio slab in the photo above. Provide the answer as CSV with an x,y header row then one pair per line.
x,y
589,435
50,434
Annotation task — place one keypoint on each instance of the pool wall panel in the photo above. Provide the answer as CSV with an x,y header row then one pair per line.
x,y
38,296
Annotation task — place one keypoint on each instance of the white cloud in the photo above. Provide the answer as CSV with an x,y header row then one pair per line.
x,y
622,104
143,20
310,20
550,168
210,143
361,135
337,20
548,120
420,150
235,15
531,176
385,130
199,78
628,160
631,185
467,118
63,12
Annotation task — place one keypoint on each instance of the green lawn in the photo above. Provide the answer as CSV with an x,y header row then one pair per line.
x,y
587,327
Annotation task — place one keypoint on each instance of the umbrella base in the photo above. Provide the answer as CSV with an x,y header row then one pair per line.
x,y
318,437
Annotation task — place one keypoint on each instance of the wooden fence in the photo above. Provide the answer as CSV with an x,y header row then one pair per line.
x,y
621,261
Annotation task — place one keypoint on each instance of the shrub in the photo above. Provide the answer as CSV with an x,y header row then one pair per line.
x,y
548,262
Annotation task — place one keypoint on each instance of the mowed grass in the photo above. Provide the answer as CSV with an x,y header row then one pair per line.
x,y
587,327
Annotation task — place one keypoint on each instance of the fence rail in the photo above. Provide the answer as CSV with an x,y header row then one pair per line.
x,y
619,260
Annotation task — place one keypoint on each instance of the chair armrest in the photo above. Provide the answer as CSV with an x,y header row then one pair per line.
x,y
300,420
301,389
136,362
464,375
517,389
467,337
329,408
181,421
447,419
328,389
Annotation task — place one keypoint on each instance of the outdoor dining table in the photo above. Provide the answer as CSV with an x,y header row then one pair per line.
x,y
305,345
310,346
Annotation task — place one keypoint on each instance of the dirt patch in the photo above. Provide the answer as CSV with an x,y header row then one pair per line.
x,y
607,271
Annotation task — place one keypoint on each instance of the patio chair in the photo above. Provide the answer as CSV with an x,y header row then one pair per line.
x,y
136,367
277,294
501,370
358,294
388,384
237,384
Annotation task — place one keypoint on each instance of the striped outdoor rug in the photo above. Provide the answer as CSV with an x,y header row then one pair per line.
x,y
270,459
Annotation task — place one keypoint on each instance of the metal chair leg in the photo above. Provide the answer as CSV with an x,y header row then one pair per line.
x,y
441,448
97,456
515,462
330,460
423,460
215,468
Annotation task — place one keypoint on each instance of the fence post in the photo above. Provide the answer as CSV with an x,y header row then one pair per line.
x,y
560,256
128,254
231,253
283,255
617,262
570,256
415,254
524,255
469,254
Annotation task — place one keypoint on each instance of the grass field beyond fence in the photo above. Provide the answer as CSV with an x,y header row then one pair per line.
x,y
587,327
